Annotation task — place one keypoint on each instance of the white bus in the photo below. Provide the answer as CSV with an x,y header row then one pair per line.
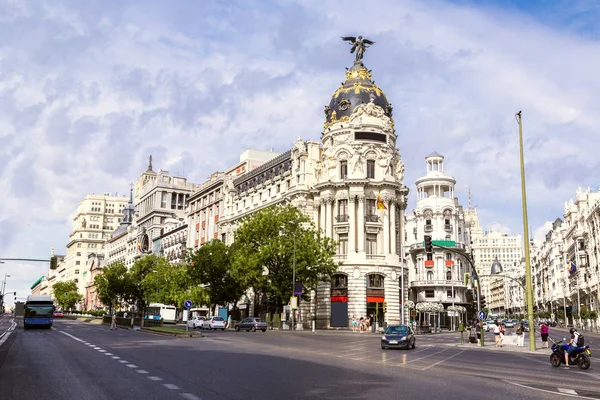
x,y
157,311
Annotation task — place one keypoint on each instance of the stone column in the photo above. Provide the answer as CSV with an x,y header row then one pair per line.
x,y
386,228
322,208
316,212
360,224
351,225
329,219
393,227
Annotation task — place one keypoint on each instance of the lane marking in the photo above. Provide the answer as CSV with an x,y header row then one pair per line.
x,y
171,386
71,336
550,391
108,354
124,362
154,378
567,391
131,366
116,357
141,371
102,351
190,396
4,337
441,361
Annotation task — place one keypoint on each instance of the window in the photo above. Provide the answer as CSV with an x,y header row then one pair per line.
x,y
448,256
429,275
79,244
375,281
78,253
343,169
76,271
343,244
371,169
429,294
77,262
371,247
371,207
448,275
342,210
428,222
449,294
163,200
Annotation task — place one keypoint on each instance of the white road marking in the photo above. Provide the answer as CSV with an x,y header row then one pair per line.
x,y
108,354
4,337
124,362
154,378
441,361
131,366
190,396
550,391
171,386
141,371
102,351
71,336
116,357
567,391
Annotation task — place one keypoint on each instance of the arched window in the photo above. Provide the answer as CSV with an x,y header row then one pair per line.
x,y
448,275
429,275
375,281
339,285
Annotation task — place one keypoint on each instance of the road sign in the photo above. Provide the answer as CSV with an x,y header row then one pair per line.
x,y
187,304
481,314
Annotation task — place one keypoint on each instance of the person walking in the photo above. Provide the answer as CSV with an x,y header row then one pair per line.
x,y
354,323
113,323
498,334
544,334
520,335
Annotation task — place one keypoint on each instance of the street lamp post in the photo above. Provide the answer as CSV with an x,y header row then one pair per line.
x,y
294,282
529,289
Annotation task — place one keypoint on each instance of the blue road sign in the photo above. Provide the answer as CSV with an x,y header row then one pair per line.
x,y
481,314
187,304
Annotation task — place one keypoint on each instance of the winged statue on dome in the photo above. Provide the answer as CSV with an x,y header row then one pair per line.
x,y
359,45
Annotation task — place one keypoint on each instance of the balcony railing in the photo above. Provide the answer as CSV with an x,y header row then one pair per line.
x,y
375,257
428,228
448,228
342,218
371,218
437,283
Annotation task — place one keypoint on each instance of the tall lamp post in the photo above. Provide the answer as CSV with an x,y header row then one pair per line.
x,y
529,288
293,276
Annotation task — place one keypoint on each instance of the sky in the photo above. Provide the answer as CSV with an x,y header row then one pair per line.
x,y
88,90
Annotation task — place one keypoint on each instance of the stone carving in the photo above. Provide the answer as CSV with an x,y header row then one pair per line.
x,y
300,146
329,162
399,170
369,109
385,162
318,170
357,162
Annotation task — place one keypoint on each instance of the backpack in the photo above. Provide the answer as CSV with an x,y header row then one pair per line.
x,y
580,340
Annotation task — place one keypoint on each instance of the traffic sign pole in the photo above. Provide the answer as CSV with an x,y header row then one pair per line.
x,y
187,304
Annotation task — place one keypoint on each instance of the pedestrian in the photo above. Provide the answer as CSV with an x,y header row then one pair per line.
x,y
497,334
544,334
228,322
520,335
113,323
461,329
353,323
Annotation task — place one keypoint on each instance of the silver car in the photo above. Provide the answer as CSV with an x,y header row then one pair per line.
x,y
251,324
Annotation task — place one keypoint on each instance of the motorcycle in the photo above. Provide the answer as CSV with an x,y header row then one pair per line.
x,y
581,356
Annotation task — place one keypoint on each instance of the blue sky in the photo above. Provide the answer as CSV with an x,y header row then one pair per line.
x,y
89,89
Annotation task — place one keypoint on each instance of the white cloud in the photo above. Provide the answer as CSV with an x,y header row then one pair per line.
x,y
89,91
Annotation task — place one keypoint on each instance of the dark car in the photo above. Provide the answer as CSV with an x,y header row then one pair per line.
x,y
251,324
398,336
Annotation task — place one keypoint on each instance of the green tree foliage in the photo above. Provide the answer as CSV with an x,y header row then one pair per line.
x,y
112,283
264,252
171,284
210,266
134,291
66,295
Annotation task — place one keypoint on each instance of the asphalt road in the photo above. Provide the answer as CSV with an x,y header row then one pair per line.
x,y
77,360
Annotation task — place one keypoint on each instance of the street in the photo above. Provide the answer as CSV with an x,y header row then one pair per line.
x,y
77,360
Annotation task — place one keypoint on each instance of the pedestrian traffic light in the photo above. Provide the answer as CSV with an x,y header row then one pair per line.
x,y
482,301
467,279
385,306
428,244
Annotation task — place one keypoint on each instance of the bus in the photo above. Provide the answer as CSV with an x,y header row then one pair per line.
x,y
156,311
39,311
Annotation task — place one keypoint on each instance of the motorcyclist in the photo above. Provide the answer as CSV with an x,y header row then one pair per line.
x,y
572,345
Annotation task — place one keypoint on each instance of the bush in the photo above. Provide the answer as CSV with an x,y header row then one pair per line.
x,y
276,321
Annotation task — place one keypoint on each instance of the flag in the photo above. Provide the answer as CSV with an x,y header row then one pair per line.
x,y
92,266
572,269
380,205
140,247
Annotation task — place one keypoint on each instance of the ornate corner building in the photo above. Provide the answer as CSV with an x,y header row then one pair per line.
x,y
351,185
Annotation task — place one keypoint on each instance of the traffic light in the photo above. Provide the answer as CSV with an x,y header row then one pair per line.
x,y
385,306
482,300
428,244
467,279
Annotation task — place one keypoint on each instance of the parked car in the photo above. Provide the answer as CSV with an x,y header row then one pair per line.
x,y
251,324
510,323
214,323
398,336
196,322
58,314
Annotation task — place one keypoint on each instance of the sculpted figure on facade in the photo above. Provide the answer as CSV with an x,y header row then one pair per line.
x,y
385,162
357,162
300,146
399,170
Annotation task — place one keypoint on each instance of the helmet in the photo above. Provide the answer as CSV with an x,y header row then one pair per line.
x,y
572,330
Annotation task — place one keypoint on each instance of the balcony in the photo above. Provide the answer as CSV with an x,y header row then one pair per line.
x,y
342,218
428,228
371,218
375,257
457,284
340,257
448,227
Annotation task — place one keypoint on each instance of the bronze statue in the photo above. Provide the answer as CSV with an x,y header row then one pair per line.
x,y
359,45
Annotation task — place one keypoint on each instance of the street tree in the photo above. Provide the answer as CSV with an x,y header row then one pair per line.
x,y
66,294
135,292
210,265
171,284
112,284
266,245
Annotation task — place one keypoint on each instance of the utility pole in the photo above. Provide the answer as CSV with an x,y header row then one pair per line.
x,y
529,288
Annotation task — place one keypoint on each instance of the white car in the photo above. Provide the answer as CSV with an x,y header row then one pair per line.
x,y
195,322
214,323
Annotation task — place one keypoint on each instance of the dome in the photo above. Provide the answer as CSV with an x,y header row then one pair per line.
x,y
358,88
496,267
